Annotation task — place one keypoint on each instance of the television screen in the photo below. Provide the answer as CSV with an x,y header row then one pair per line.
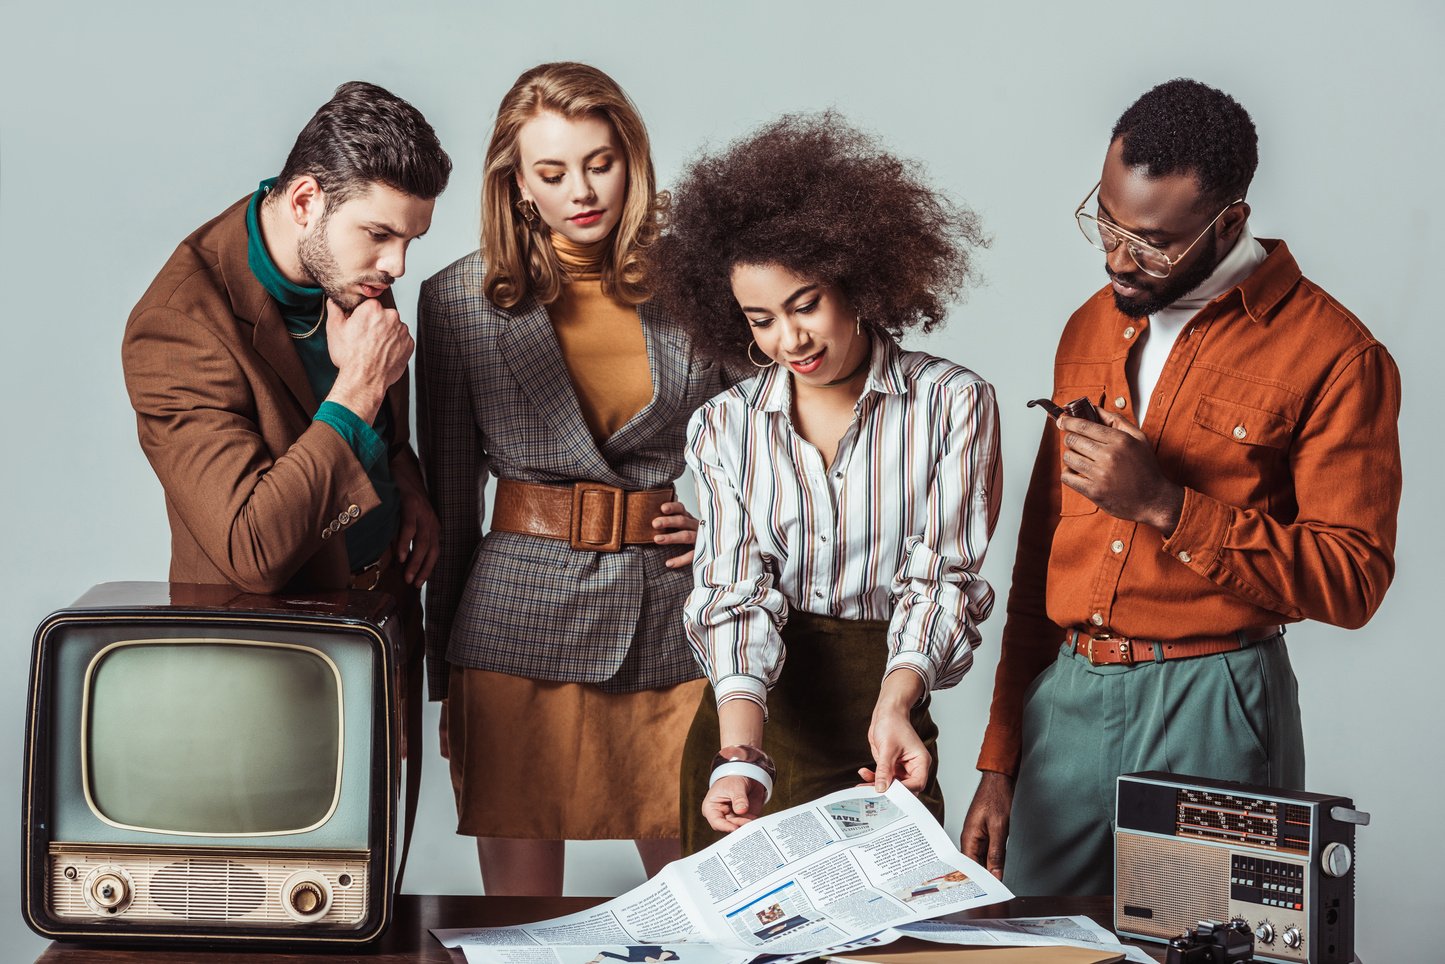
x,y
214,738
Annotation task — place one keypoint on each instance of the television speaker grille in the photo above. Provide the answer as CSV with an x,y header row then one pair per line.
x,y
172,889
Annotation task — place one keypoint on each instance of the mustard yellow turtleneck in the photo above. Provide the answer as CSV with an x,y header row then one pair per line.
x,y
601,340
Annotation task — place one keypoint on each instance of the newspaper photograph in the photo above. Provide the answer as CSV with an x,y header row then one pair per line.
x,y
799,882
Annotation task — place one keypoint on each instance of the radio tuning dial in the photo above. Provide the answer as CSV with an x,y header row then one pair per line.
x,y
1292,937
1264,933
307,898
1336,859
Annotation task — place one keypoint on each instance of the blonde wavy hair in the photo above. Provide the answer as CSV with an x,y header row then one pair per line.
x,y
520,260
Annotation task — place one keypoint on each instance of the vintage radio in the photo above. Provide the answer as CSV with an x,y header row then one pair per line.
x,y
1188,849
205,765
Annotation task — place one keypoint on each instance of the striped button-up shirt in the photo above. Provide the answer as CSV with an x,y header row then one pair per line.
x,y
895,529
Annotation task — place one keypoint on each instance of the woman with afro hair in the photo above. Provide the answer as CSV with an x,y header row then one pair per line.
x,y
847,492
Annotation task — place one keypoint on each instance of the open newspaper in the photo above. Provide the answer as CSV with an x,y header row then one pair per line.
x,y
815,879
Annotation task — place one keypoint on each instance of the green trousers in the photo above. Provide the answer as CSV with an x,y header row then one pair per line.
x,y
818,717
1232,716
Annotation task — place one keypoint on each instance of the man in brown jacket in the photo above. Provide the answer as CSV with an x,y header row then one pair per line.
x,y
267,366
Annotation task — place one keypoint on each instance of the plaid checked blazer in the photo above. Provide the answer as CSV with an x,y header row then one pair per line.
x,y
494,398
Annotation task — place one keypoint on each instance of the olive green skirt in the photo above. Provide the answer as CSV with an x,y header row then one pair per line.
x,y
818,717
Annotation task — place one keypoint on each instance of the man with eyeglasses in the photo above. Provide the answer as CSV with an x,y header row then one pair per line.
x,y
1245,474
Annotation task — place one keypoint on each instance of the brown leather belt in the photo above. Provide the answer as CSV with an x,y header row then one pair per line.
x,y
587,515
369,577
1102,648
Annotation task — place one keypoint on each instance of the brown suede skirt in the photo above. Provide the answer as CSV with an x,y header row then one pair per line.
x,y
818,717
541,760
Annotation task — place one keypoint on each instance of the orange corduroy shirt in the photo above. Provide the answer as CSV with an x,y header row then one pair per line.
x,y
1277,411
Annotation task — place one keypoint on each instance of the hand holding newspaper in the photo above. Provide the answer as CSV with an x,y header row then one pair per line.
x,y
814,879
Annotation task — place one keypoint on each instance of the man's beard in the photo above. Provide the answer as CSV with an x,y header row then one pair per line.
x,y
314,253
1174,287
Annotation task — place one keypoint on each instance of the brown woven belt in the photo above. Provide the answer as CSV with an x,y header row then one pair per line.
x,y
587,515
1103,648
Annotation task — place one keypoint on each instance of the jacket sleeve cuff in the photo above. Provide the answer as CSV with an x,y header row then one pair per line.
x,y
1198,539
1001,748
362,438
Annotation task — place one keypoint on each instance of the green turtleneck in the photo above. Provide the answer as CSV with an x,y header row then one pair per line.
x,y
302,308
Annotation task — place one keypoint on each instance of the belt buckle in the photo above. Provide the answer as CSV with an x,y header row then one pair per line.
x,y
1126,654
375,570
580,490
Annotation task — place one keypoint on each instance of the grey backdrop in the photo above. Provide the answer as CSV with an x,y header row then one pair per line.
x,y
123,127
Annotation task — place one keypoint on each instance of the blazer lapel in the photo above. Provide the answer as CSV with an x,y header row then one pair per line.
x,y
668,359
251,303
529,346
273,343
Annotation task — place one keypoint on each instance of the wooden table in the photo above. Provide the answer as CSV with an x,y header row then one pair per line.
x,y
408,939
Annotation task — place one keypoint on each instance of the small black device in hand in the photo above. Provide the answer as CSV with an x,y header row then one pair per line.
x,y
1078,408
1212,943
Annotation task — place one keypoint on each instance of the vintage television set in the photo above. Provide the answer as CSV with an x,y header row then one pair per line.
x,y
207,766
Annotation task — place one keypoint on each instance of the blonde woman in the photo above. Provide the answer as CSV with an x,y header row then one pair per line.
x,y
556,639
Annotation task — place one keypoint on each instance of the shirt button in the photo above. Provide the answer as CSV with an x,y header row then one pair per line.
x,y
837,475
1119,402
1097,619
1239,431
1117,545
1184,556
822,538
1129,332
818,593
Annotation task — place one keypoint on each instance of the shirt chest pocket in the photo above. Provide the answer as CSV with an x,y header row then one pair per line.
x,y
1238,453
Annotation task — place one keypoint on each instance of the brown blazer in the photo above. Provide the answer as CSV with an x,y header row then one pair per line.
x,y
224,411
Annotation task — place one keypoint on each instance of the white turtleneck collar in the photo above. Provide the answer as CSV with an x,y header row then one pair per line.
x,y
1166,324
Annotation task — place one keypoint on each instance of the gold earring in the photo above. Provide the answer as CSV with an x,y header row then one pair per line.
x,y
528,209
771,362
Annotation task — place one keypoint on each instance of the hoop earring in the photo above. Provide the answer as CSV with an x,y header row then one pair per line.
x,y
751,346
528,209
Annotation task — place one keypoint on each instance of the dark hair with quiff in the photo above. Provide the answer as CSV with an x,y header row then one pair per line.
x,y
1185,127
367,135
814,195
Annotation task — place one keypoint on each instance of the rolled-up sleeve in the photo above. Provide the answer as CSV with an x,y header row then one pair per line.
x,y
941,598
733,613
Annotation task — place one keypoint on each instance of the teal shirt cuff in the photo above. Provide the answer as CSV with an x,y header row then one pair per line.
x,y
362,438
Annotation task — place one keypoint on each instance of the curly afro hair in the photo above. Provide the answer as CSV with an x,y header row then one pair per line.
x,y
1183,126
816,196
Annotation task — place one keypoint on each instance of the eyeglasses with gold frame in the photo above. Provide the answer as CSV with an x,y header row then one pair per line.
x,y
1106,236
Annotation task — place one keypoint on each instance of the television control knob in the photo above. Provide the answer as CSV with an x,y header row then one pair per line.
x,y
1292,937
109,891
1264,933
307,898
1336,859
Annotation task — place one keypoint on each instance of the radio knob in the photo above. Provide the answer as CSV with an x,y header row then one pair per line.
x,y
1336,859
307,898
1292,937
1264,933
109,891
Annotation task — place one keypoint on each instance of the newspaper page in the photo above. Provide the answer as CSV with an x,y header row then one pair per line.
x,y
1022,932
799,882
